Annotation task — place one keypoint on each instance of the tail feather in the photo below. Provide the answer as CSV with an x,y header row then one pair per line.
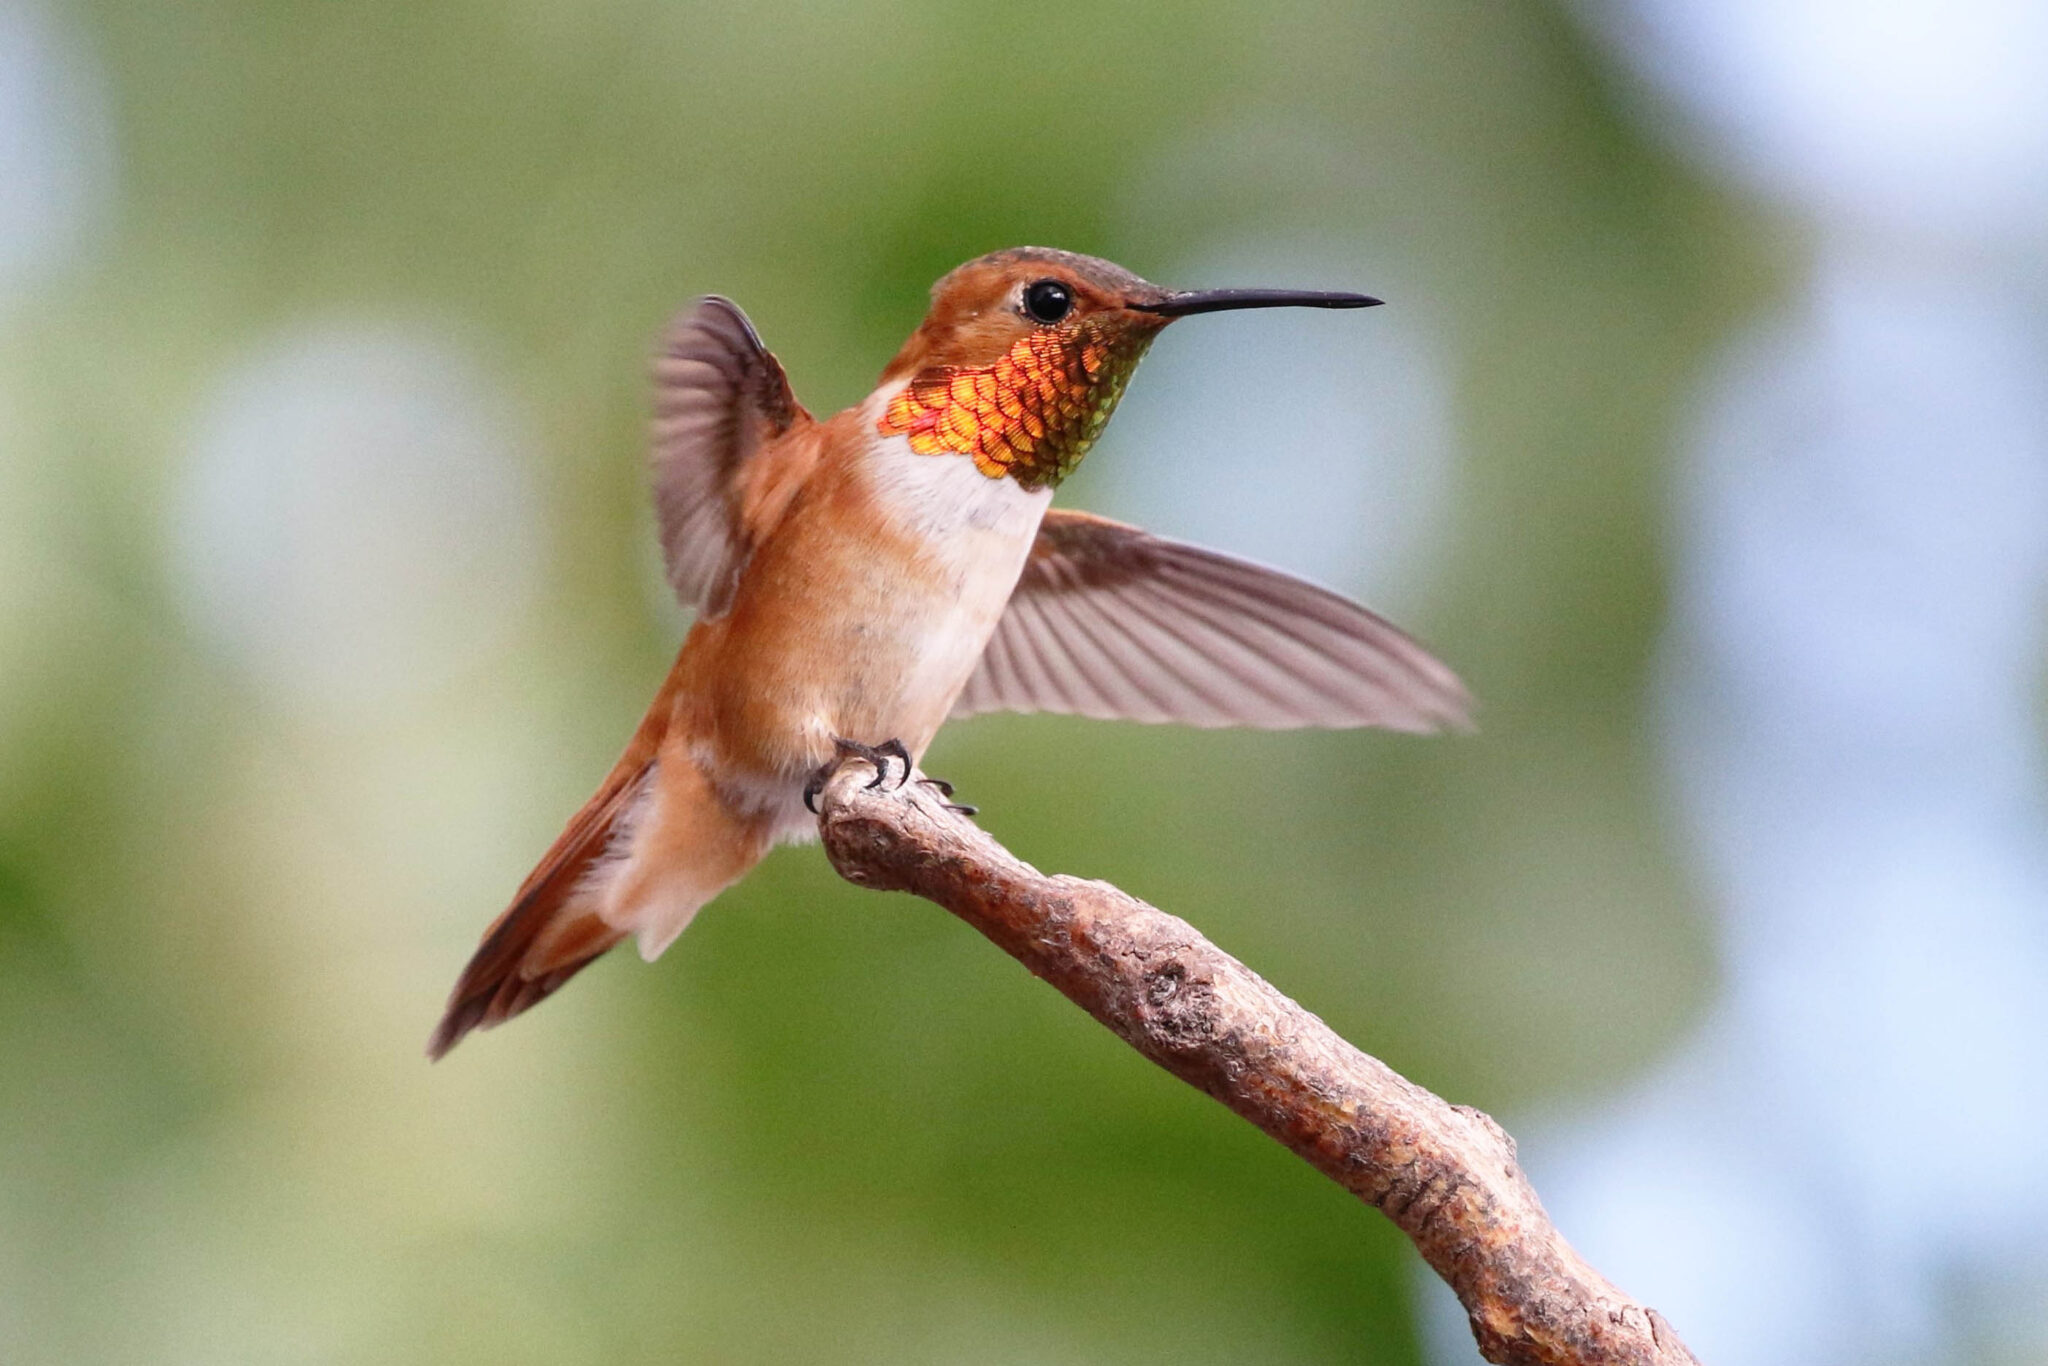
x,y
549,933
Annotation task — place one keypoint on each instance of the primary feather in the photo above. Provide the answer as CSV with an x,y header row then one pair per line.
x,y
1112,622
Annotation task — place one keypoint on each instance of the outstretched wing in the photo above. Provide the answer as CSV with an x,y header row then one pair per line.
x,y
720,397
1112,622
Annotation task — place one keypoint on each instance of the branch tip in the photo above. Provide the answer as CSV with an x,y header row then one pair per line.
x,y
1446,1174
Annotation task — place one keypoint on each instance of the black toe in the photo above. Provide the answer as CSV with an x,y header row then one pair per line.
x,y
892,749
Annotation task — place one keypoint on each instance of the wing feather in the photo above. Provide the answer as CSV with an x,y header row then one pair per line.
x,y
720,397
1111,622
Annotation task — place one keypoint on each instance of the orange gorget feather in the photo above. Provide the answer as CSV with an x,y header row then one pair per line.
x,y
1032,414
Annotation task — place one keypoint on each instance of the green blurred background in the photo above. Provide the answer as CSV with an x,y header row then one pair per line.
x,y
275,746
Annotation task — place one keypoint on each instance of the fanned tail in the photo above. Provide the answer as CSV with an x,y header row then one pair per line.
x,y
552,930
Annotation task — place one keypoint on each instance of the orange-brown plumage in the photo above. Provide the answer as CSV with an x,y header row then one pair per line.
x,y
861,579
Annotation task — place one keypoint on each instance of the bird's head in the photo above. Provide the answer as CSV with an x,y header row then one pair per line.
x,y
1025,353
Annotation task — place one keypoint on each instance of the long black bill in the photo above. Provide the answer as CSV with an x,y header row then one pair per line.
x,y
1217,300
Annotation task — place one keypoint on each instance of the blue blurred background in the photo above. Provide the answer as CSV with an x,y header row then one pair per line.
x,y
1707,435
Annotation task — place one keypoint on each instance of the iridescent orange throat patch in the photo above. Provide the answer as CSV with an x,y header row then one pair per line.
x,y
1033,414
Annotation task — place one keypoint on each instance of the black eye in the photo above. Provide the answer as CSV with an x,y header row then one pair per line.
x,y
1048,301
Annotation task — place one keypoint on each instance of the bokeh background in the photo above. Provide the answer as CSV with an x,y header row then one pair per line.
x,y
1706,434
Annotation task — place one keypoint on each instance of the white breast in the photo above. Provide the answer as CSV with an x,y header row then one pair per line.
x,y
945,496
979,531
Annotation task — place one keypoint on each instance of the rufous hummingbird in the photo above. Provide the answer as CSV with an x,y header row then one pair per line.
x,y
859,580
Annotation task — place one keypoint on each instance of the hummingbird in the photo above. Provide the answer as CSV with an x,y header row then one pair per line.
x,y
859,580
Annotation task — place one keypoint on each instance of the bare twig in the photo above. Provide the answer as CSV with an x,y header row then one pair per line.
x,y
1445,1174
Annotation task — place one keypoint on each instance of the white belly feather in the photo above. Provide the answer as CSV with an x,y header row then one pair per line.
x,y
979,530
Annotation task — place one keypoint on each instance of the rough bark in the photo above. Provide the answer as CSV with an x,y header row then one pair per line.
x,y
1445,1174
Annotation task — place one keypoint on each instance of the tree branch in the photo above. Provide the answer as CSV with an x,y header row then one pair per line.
x,y
1445,1174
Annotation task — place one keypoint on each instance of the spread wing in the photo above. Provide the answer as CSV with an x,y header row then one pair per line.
x,y
1112,622
720,396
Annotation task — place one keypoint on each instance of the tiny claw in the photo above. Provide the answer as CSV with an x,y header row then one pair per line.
x,y
890,749
878,755
945,789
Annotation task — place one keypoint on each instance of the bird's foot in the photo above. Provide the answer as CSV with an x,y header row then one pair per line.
x,y
878,755
945,789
